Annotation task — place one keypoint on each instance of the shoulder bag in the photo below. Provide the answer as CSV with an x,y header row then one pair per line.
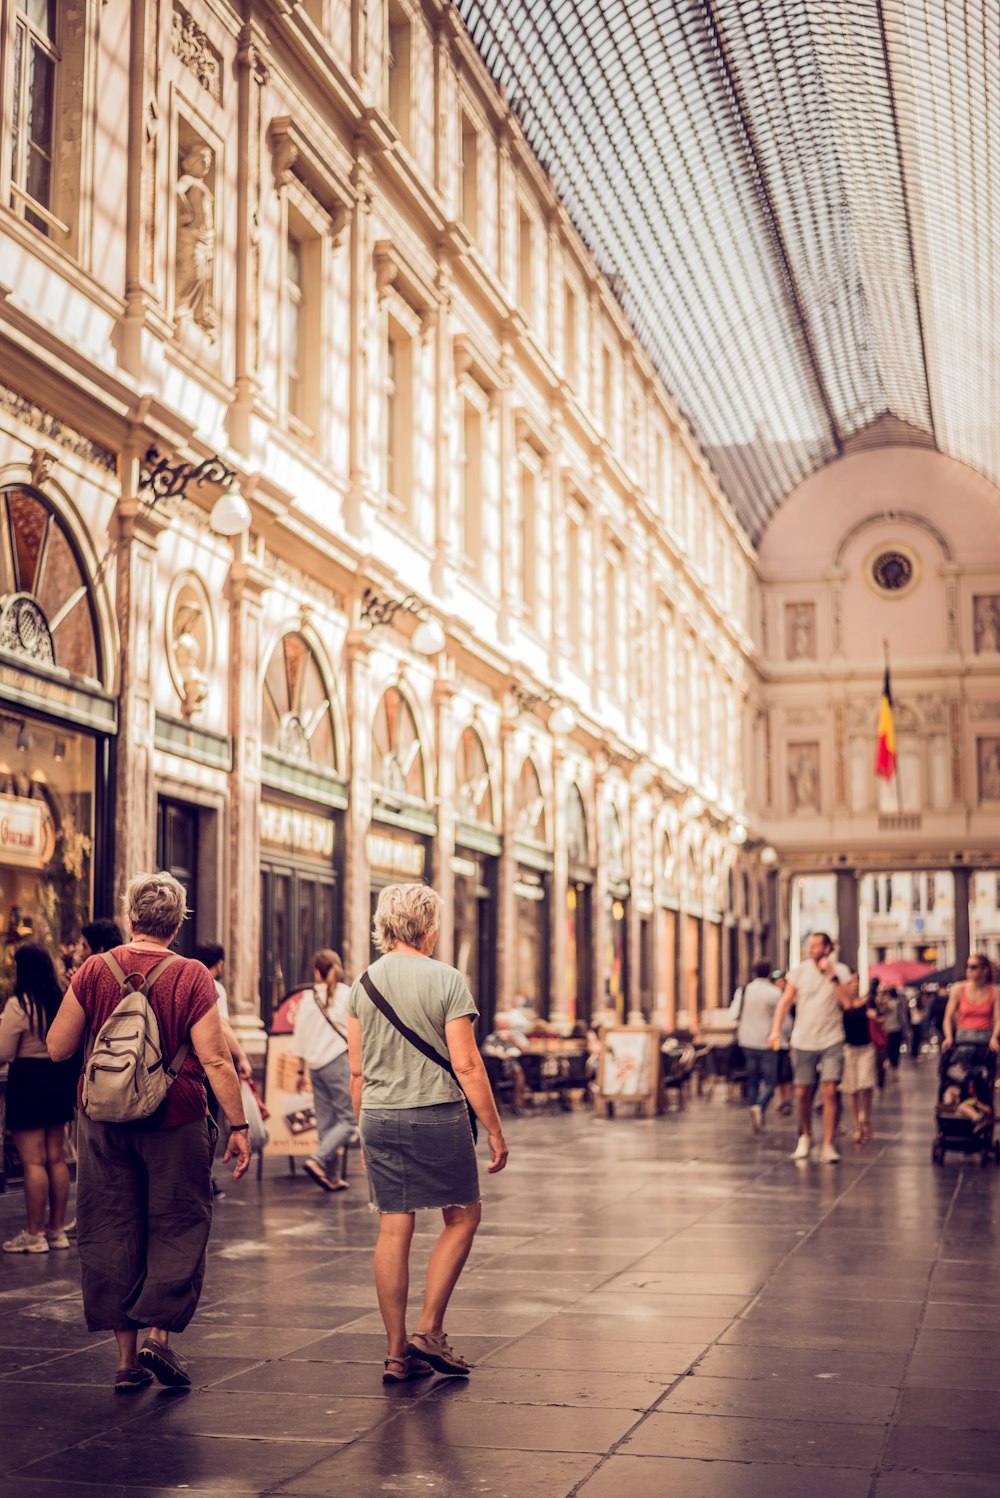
x,y
417,1041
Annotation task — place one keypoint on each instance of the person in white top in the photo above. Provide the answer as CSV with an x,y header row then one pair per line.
x,y
753,1009
319,1040
817,988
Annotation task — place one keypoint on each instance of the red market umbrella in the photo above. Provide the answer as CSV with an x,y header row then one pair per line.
x,y
901,971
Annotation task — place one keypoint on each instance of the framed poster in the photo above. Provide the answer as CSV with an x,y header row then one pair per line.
x,y
292,1123
629,1069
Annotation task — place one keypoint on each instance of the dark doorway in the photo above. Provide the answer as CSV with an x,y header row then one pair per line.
x,y
177,854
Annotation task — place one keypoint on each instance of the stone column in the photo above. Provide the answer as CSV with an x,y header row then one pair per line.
x,y
140,526
357,883
506,906
560,877
847,917
442,875
599,915
962,942
633,1005
247,583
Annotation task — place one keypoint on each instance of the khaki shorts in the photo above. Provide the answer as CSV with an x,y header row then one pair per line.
x,y
828,1063
859,1068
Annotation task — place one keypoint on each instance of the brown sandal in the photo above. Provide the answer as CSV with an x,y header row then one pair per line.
x,y
441,1356
408,1367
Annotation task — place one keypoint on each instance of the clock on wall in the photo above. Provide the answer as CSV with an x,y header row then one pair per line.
x,y
893,570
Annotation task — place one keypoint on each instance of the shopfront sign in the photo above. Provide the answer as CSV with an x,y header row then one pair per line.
x,y
76,704
23,832
296,832
390,855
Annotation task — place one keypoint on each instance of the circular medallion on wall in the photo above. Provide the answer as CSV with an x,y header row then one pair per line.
x,y
892,571
190,642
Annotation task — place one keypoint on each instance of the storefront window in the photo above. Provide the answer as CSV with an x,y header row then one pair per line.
x,y
531,968
46,837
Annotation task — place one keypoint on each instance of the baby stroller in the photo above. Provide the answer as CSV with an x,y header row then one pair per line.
x,y
965,1113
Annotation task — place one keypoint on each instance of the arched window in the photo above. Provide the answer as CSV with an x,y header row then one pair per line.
x,y
529,806
577,838
615,840
298,720
47,611
474,791
397,754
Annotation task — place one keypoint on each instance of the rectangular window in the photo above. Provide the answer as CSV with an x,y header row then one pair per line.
x,y
612,605
525,246
397,62
399,415
471,478
468,177
294,339
574,563
33,112
607,390
529,541
569,333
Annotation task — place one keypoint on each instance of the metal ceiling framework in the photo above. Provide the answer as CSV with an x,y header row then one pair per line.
x,y
797,203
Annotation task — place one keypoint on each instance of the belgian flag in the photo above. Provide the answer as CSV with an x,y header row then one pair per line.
x,y
885,754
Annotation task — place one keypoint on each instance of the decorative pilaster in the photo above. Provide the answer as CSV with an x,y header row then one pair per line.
x,y
253,75
246,586
442,874
357,505
357,883
506,906
558,1012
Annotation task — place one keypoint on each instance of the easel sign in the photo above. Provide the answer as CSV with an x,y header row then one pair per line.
x,y
629,1070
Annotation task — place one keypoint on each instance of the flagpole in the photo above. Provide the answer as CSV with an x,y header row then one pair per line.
x,y
899,788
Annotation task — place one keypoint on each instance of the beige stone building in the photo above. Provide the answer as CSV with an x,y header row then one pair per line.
x,y
491,621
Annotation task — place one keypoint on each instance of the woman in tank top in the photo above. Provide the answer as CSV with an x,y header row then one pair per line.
x,y
973,1013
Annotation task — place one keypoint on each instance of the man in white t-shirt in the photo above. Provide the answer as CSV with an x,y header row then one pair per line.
x,y
817,989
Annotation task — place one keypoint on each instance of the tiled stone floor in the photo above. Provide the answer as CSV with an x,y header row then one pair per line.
x,y
654,1307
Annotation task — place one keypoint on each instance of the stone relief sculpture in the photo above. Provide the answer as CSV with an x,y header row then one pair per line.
x,y
187,654
803,777
800,631
986,621
989,769
189,639
195,269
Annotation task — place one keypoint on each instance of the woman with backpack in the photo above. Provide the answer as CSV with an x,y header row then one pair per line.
x,y
41,1099
144,1139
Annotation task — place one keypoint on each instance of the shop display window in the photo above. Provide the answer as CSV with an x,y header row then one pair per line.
x,y
531,971
47,778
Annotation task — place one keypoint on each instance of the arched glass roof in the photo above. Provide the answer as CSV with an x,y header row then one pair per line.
x,y
796,202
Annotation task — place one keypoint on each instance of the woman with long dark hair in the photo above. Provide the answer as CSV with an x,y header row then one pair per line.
x,y
41,1096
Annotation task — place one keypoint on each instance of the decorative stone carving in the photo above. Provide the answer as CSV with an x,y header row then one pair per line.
x,y
804,717
986,623
190,44
988,751
41,464
984,712
195,266
190,643
933,710
24,630
800,631
906,717
50,426
803,777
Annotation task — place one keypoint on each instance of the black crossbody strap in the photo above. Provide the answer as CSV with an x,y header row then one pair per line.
x,y
417,1041
331,1022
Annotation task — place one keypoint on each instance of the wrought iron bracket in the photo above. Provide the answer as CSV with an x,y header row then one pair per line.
x,y
168,480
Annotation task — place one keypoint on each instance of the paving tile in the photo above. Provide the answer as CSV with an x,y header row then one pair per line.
x,y
41,1420
828,1400
952,1371
838,1365
974,1408
297,1417
930,1485
159,1460
411,1463
658,1476
96,1365
805,1443
603,1357
583,1386
939,1449
369,1347
465,1422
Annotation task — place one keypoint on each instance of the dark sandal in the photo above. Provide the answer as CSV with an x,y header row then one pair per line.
x,y
409,1367
316,1173
129,1380
437,1352
164,1364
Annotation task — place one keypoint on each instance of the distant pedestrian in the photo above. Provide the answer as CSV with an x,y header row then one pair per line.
x,y
144,1205
858,1081
319,1042
98,936
891,1015
972,1017
815,987
41,1098
754,1008
213,955
418,1146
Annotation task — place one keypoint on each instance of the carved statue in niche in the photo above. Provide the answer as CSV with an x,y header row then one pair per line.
x,y
986,619
989,769
196,239
189,647
800,631
187,654
803,777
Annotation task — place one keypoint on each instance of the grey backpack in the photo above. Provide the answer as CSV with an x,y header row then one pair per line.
x,y
124,1076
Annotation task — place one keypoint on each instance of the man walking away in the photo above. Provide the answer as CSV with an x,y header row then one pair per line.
x,y
755,1007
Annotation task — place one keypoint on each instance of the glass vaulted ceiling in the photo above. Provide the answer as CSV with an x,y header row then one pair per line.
x,y
796,202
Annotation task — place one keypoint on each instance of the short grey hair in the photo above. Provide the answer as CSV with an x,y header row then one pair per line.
x,y
155,905
405,914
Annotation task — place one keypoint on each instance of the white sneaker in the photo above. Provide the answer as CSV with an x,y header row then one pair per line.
x,y
756,1118
802,1149
27,1243
57,1240
828,1155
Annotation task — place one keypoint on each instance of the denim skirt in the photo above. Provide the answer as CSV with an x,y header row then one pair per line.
x,y
419,1157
